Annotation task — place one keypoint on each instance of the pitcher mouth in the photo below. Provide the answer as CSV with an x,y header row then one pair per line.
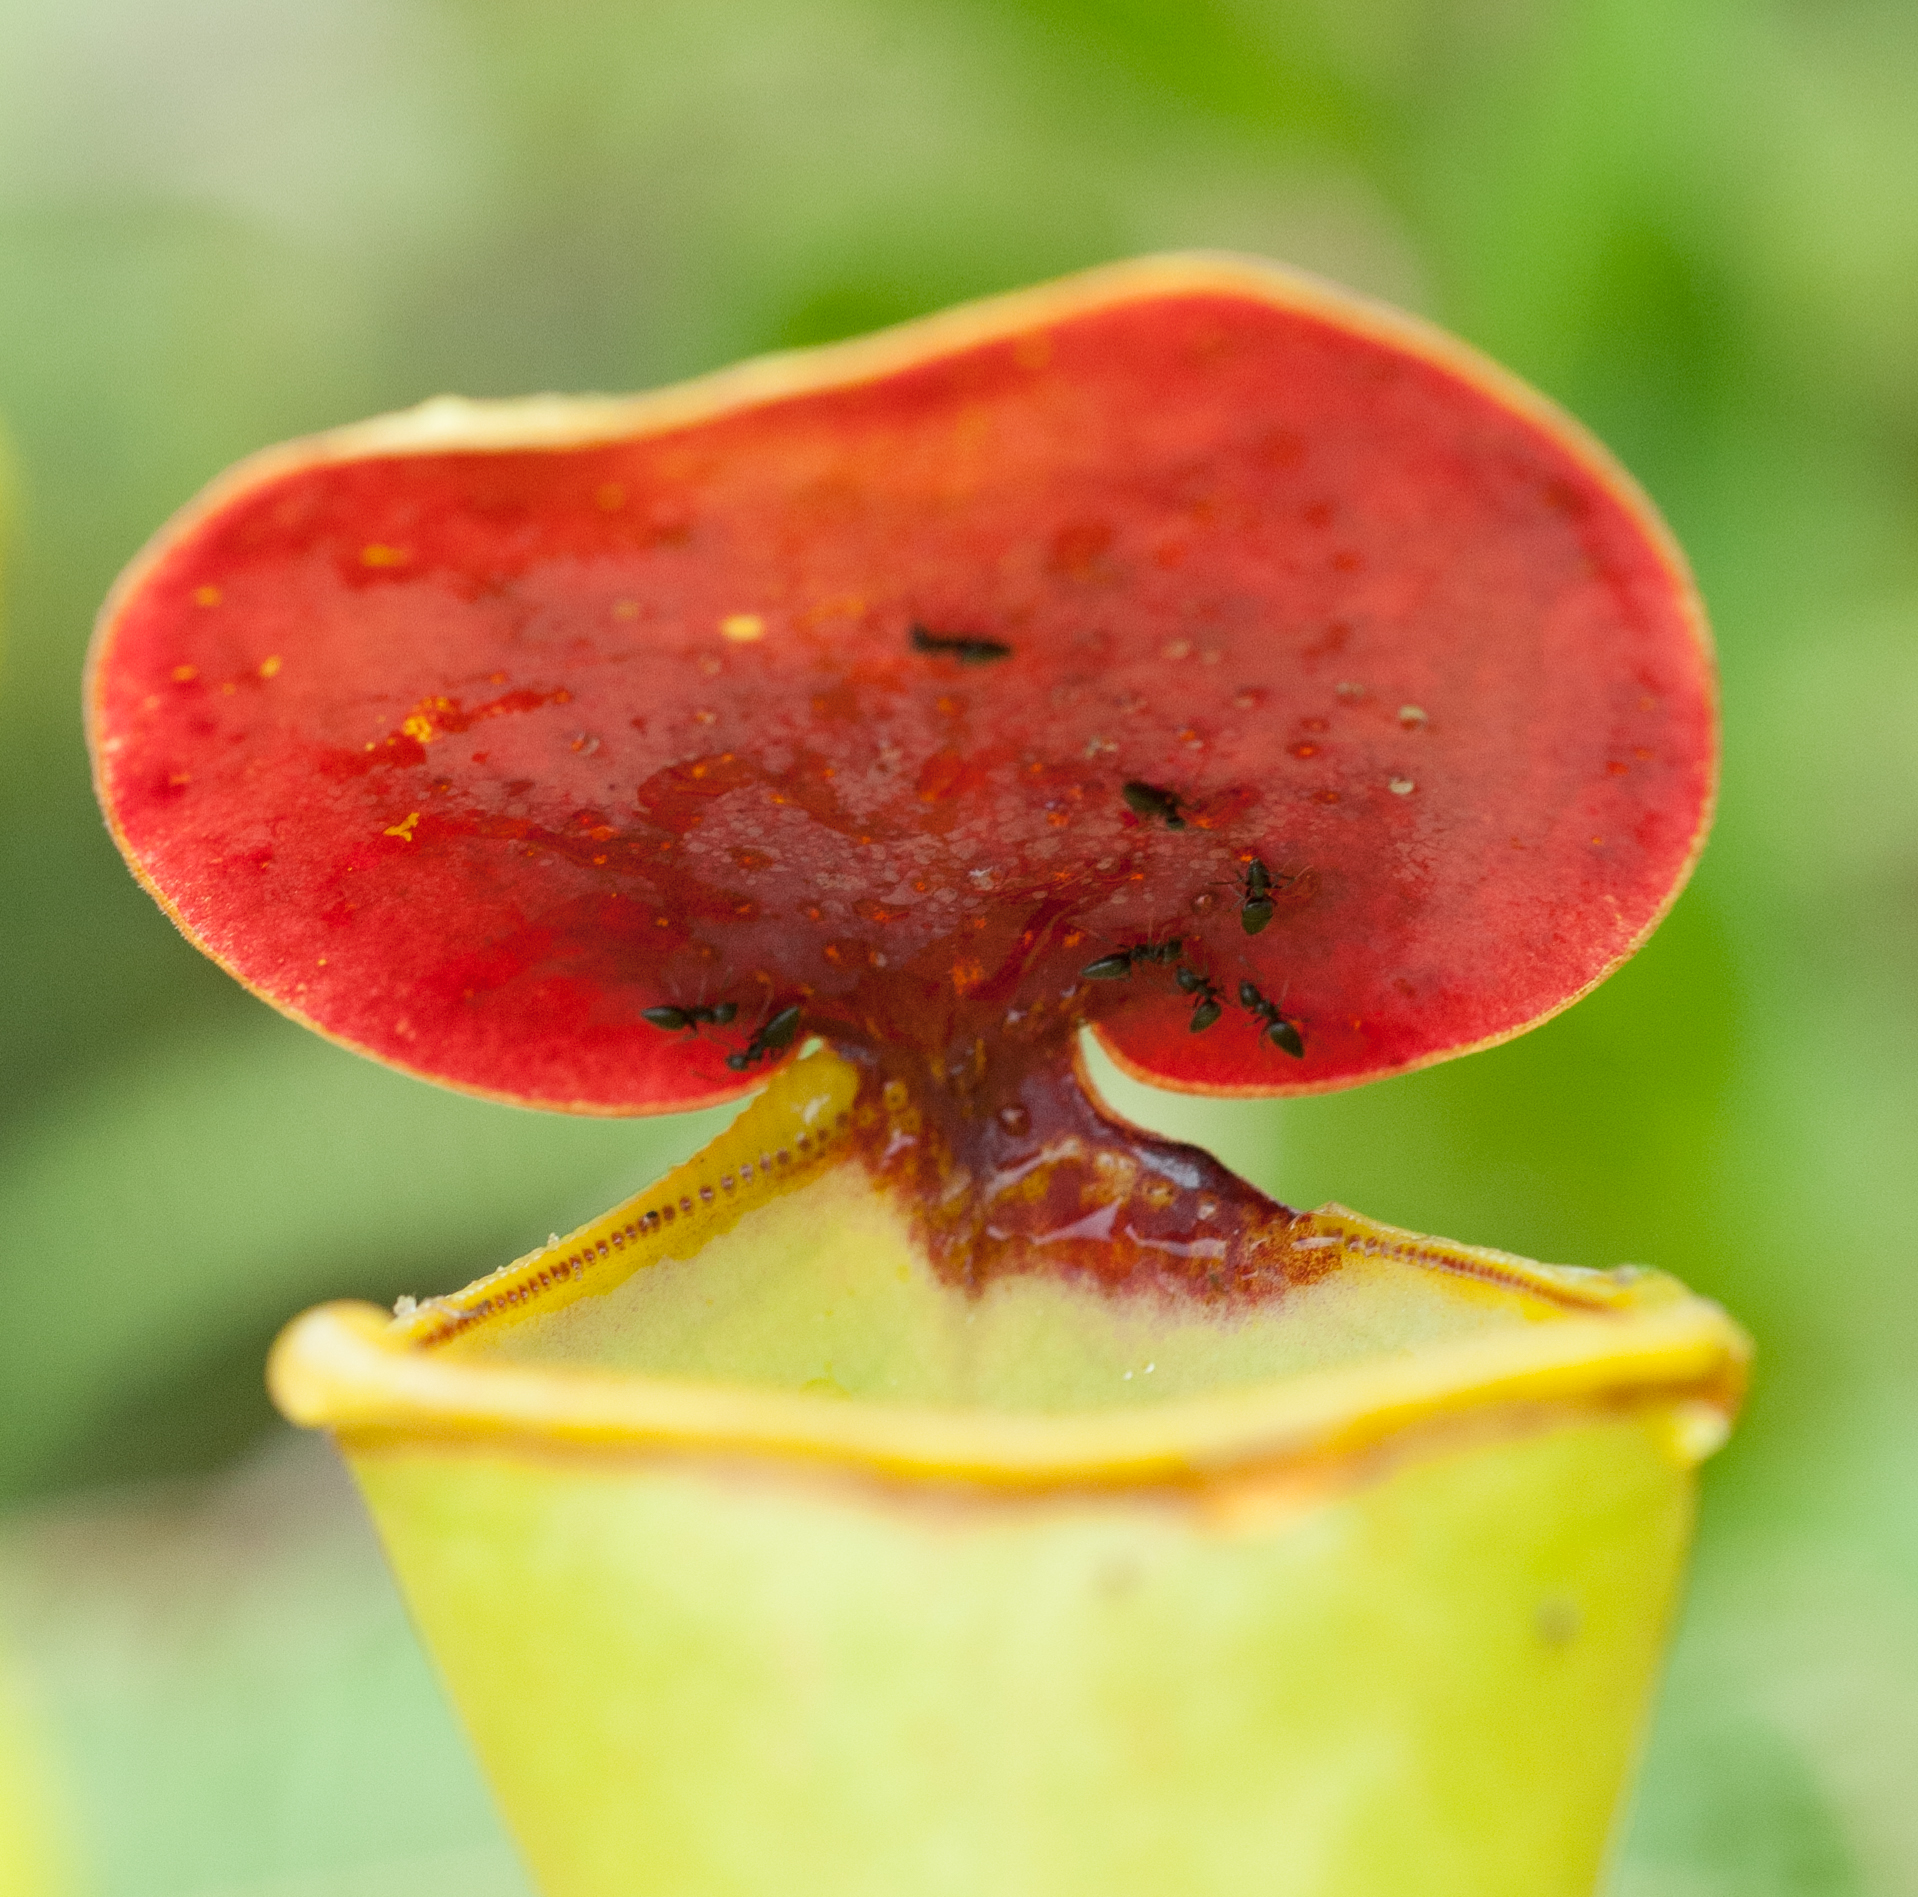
x,y
1561,1342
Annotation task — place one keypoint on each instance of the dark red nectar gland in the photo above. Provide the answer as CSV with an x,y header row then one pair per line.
x,y
1011,1168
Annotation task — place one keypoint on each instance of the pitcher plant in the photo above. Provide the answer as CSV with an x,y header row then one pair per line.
x,y
940,1485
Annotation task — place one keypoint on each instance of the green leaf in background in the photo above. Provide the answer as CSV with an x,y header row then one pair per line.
x,y
221,1180
236,1702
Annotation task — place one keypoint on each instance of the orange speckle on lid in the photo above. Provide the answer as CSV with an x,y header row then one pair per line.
x,y
206,596
185,674
610,497
419,728
376,553
742,628
404,828
270,666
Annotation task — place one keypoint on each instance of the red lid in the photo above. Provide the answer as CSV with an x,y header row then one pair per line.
x,y
905,681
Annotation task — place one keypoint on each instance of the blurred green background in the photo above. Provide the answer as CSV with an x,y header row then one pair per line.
x,y
223,222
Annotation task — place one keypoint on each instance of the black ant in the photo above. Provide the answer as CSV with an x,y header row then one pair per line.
x,y
1283,1034
1148,800
966,651
1255,887
773,1038
672,1020
1119,964
1208,1007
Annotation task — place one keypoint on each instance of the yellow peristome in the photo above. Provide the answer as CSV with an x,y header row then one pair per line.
x,y
759,1560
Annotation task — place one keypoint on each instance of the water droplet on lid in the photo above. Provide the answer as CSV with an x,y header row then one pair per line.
x,y
1410,715
1176,649
1402,787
